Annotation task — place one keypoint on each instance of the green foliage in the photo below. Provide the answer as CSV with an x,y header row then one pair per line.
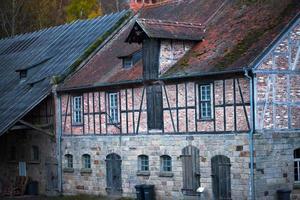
x,y
83,9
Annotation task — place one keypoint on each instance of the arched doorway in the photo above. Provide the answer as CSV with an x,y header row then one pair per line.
x,y
221,182
113,174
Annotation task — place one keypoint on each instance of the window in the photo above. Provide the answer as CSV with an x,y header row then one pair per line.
x,y
77,110
297,165
143,163
86,161
69,161
127,62
113,108
22,169
35,153
23,74
166,163
205,93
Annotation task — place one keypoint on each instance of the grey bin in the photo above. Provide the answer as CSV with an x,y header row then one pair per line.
x,y
283,194
139,192
149,192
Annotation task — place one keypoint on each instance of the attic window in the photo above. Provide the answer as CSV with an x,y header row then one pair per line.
x,y
23,74
127,62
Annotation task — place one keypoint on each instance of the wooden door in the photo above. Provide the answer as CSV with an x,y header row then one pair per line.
x,y
191,170
221,182
113,174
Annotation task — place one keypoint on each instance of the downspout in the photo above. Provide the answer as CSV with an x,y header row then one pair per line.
x,y
250,136
58,131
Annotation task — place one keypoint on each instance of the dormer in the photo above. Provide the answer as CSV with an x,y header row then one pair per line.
x,y
164,43
130,60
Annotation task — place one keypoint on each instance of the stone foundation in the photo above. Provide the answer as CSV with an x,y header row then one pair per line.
x,y
274,162
129,147
43,170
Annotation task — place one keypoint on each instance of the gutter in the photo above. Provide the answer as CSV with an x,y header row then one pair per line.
x,y
250,136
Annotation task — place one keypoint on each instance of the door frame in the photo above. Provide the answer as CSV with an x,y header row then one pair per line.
x,y
218,180
110,160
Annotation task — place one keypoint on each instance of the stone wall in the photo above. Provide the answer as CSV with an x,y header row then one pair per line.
x,y
129,147
274,162
37,170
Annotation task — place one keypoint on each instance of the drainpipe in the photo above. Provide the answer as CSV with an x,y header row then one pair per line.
x,y
58,131
250,136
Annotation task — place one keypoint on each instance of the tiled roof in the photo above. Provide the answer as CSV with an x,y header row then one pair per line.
x,y
106,66
44,54
235,34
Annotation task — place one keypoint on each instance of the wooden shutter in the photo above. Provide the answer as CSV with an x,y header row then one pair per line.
x,y
191,170
154,107
151,49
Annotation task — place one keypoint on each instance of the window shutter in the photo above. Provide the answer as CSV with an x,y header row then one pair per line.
x,y
154,107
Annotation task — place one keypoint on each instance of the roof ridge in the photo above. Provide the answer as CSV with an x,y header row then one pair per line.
x,y
171,23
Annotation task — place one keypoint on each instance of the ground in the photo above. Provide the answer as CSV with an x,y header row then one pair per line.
x,y
78,197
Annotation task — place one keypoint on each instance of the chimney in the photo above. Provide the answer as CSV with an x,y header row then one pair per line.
x,y
138,4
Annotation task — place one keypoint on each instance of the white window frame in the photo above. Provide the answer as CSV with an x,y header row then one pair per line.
x,y
206,101
69,160
143,163
113,108
77,110
165,163
127,60
86,161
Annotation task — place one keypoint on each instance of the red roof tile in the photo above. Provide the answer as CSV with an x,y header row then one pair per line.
x,y
235,34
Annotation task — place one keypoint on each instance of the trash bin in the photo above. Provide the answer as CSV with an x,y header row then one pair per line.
x,y
283,194
149,192
139,192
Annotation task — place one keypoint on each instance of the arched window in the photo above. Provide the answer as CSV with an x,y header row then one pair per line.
x,y
86,161
69,161
165,163
143,163
297,165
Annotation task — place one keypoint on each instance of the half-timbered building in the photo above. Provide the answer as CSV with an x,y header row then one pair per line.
x,y
188,94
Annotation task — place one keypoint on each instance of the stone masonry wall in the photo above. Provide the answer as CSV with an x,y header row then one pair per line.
x,y
37,170
129,147
274,162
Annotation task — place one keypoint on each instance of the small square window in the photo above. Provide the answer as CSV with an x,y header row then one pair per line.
x,y
143,163
69,161
23,74
86,161
35,153
77,109
166,163
127,62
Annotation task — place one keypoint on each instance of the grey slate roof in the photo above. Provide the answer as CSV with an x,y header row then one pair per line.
x,y
45,53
